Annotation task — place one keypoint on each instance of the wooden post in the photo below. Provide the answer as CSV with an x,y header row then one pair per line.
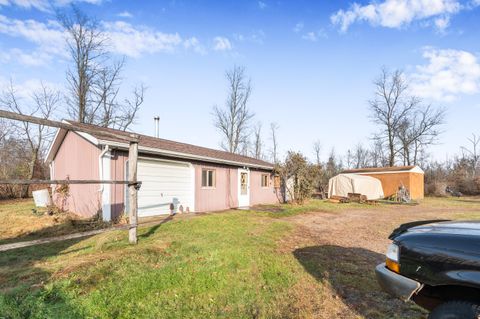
x,y
133,188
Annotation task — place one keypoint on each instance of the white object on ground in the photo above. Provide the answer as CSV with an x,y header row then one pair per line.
x,y
41,198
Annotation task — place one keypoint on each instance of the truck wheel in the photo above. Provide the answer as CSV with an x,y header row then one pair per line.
x,y
456,310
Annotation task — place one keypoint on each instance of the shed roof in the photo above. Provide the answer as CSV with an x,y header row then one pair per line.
x,y
383,170
149,144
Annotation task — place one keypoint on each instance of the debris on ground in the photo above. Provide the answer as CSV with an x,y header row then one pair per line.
x,y
453,192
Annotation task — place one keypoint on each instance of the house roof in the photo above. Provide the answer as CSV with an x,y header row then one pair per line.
x,y
149,144
389,169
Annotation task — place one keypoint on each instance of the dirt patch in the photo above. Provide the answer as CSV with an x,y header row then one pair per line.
x,y
340,250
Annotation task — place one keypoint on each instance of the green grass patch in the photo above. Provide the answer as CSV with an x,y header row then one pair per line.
x,y
313,205
221,265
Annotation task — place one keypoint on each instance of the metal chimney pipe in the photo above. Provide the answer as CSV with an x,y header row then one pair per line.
x,y
157,126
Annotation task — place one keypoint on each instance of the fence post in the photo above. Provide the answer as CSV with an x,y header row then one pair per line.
x,y
133,188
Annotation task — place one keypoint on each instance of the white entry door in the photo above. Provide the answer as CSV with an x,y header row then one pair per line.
x,y
243,187
164,183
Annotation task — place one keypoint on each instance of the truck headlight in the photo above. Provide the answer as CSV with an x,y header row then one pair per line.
x,y
392,262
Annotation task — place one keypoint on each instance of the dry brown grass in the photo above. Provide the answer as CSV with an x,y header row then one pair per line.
x,y
21,221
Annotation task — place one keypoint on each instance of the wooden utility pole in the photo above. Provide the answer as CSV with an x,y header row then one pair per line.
x,y
133,189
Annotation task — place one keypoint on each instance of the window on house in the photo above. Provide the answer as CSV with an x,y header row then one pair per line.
x,y
208,178
264,180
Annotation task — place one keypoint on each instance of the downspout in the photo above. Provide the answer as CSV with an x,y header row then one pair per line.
x,y
100,167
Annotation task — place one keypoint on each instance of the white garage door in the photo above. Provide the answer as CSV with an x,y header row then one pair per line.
x,y
164,183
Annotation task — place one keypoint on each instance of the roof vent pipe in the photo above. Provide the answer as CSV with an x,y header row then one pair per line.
x,y
157,126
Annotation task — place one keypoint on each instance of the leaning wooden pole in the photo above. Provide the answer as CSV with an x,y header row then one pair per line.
x,y
133,189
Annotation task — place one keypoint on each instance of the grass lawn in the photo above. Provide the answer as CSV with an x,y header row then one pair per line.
x,y
236,264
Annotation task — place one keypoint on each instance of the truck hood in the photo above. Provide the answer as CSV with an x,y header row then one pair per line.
x,y
467,228
445,238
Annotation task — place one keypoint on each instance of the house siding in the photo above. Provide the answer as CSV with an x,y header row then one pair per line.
x,y
225,193
259,194
78,159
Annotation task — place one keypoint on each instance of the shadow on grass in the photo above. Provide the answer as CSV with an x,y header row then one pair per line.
x,y
350,272
154,228
23,293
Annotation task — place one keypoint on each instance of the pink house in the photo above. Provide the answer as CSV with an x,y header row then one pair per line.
x,y
192,178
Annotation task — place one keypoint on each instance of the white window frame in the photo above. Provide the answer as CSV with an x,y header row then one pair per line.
x,y
207,184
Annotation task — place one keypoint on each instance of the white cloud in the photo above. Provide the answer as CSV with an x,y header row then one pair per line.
x,y
47,36
194,44
257,37
310,36
131,41
125,14
43,5
396,13
35,58
299,26
314,36
25,88
262,5
49,40
442,23
222,44
448,74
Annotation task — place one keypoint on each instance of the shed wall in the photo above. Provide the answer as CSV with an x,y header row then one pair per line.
x,y
417,182
78,159
392,181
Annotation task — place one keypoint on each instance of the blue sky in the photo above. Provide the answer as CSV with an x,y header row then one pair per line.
x,y
312,63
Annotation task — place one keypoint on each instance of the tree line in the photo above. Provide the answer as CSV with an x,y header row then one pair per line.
x,y
406,128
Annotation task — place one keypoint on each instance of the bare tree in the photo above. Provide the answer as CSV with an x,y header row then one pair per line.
x,y
473,153
93,80
273,131
390,107
87,49
360,156
4,130
419,129
317,149
349,159
233,121
45,102
130,108
104,91
377,154
257,141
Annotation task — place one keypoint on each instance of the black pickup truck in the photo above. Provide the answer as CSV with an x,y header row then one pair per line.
x,y
436,264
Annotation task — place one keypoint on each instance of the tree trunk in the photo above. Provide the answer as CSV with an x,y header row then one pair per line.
x,y
31,171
